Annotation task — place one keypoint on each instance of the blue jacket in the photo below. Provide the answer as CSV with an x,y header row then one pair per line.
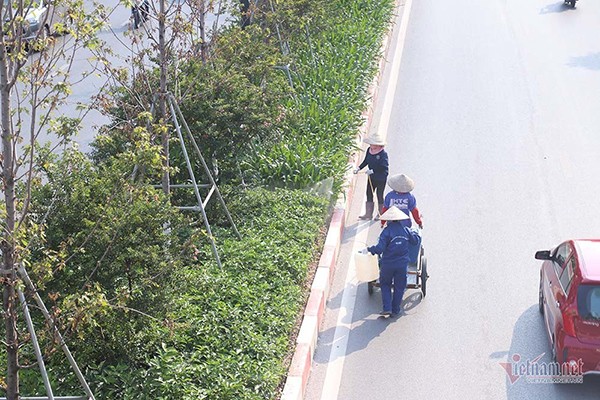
x,y
393,245
378,163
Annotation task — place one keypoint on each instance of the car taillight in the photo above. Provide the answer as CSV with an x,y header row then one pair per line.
x,y
569,316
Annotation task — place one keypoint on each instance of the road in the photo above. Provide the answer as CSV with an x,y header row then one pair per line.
x,y
86,77
495,116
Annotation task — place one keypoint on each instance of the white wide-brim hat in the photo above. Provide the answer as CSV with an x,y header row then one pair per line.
x,y
393,214
375,139
401,183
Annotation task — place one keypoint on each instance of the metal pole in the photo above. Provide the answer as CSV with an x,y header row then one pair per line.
x,y
286,69
310,47
285,50
36,345
63,345
162,110
46,398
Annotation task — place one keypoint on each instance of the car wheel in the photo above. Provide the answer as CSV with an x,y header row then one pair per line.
x,y
541,298
44,34
39,44
66,29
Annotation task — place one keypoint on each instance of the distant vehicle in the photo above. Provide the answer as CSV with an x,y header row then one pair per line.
x,y
569,299
140,11
571,2
42,18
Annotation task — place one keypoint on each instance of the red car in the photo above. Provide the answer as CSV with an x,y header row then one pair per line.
x,y
569,299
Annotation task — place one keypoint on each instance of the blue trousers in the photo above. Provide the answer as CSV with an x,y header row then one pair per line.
x,y
392,275
379,187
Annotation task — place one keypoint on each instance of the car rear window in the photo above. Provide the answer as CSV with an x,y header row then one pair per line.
x,y
588,301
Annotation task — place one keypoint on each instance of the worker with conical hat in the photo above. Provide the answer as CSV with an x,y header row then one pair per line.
x,y
376,159
401,197
393,247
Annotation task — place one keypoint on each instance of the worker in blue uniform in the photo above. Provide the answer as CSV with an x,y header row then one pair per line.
x,y
376,158
393,249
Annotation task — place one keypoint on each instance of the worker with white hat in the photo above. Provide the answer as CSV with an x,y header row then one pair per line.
x,y
393,247
376,159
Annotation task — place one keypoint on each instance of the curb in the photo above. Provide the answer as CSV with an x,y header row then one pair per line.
x,y
300,367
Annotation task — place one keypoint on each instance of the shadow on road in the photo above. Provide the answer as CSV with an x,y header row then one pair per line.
x,y
412,301
350,231
366,324
530,341
590,61
556,8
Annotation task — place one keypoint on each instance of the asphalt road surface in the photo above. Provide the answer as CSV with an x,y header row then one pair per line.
x,y
495,115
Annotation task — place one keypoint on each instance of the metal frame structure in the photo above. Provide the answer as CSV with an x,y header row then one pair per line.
x,y
179,122
36,346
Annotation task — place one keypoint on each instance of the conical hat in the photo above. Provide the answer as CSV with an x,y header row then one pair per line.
x,y
401,183
375,139
393,214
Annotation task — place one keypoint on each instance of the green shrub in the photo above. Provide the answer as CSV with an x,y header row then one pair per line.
x,y
334,65
146,310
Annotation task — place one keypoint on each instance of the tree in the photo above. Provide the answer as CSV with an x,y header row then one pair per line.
x,y
32,88
229,88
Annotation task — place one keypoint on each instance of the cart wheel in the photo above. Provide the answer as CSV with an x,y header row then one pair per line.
x,y
424,276
370,287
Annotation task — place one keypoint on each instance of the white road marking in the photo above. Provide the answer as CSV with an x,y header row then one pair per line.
x,y
343,326
390,93
566,165
335,365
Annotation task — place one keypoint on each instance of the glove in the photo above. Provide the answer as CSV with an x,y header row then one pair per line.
x,y
421,225
363,251
369,171
356,170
